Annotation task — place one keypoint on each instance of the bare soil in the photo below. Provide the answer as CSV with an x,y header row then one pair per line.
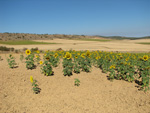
x,y
58,94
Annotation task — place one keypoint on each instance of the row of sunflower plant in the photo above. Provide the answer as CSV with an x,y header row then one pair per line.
x,y
50,60
126,66
121,66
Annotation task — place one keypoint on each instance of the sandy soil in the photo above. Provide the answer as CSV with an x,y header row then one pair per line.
x,y
114,45
58,94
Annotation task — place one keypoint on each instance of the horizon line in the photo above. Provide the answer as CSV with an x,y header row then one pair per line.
x,y
80,35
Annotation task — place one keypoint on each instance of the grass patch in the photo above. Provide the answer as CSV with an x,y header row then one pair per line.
x,y
146,43
89,39
23,42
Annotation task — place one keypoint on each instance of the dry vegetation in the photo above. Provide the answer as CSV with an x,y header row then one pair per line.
x,y
25,36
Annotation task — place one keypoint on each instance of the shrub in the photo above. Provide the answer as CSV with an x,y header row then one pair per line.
x,y
3,48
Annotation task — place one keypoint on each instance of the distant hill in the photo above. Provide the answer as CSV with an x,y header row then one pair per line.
x,y
122,38
26,36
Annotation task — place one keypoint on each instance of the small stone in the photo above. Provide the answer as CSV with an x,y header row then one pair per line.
x,y
5,95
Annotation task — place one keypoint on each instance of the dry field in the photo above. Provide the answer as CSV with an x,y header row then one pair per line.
x,y
114,45
58,94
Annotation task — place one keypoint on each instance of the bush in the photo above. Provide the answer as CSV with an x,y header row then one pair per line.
x,y
3,48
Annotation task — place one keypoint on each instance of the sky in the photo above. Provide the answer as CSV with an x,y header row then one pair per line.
x,y
129,18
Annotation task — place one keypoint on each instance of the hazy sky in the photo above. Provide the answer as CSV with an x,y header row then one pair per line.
x,y
81,17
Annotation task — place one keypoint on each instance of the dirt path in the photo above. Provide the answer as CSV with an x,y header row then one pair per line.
x,y
114,45
58,94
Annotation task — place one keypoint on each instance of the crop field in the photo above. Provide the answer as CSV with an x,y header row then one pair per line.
x,y
75,81
74,56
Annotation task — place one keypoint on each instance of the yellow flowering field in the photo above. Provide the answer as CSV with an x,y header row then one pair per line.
x,y
121,66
